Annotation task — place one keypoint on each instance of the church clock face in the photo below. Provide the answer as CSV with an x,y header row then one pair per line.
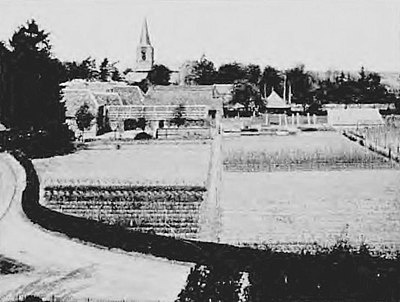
x,y
143,52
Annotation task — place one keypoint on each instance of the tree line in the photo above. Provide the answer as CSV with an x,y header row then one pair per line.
x,y
30,78
305,87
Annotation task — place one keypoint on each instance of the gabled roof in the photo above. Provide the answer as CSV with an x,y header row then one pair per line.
x,y
222,90
136,77
107,98
182,95
75,98
130,95
275,101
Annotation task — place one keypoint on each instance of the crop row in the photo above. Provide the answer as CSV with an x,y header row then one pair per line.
x,y
123,190
294,160
128,199
127,207
172,210
137,218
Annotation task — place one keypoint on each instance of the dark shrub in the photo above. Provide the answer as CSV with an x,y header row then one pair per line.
x,y
143,136
31,298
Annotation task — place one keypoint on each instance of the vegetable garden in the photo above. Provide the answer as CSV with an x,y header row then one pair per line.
x,y
328,151
164,210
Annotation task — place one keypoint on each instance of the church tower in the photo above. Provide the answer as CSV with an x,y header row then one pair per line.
x,y
144,52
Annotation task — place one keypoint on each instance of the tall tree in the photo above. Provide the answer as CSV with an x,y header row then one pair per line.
x,y
204,72
253,73
229,73
35,79
105,68
160,75
270,79
248,95
6,106
115,74
301,82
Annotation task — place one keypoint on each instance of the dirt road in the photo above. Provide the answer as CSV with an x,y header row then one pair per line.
x,y
67,268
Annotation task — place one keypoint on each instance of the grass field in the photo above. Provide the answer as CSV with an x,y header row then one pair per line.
x,y
145,164
322,206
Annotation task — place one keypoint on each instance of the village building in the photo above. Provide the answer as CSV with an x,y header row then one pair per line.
x,y
145,60
144,57
162,104
119,106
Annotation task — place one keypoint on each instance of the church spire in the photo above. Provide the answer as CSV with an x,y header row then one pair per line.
x,y
145,37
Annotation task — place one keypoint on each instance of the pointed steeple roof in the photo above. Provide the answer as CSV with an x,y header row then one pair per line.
x,y
145,37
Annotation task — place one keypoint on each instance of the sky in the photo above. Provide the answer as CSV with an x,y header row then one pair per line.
x,y
322,34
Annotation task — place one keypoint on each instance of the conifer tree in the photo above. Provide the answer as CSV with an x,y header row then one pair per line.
x,y
35,78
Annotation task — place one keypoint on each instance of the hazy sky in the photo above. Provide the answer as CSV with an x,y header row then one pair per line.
x,y
322,34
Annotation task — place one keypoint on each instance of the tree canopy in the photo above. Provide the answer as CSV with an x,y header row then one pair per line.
x,y
32,79
229,73
204,72
160,75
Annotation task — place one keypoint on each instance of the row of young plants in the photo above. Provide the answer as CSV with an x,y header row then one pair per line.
x,y
340,274
386,136
287,160
171,210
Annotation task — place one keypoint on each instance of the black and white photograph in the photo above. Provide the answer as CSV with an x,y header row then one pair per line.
x,y
199,150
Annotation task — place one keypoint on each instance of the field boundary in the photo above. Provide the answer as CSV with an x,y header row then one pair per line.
x,y
113,236
210,227
385,152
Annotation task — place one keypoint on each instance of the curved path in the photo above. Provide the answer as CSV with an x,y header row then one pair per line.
x,y
68,268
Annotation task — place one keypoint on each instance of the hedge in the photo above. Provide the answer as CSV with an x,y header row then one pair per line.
x,y
340,274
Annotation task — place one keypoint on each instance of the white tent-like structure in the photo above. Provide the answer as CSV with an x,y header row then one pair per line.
x,y
276,103
2,127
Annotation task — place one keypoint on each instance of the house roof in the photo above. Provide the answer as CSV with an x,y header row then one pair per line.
x,y
75,98
222,90
136,77
130,95
275,101
107,98
182,95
